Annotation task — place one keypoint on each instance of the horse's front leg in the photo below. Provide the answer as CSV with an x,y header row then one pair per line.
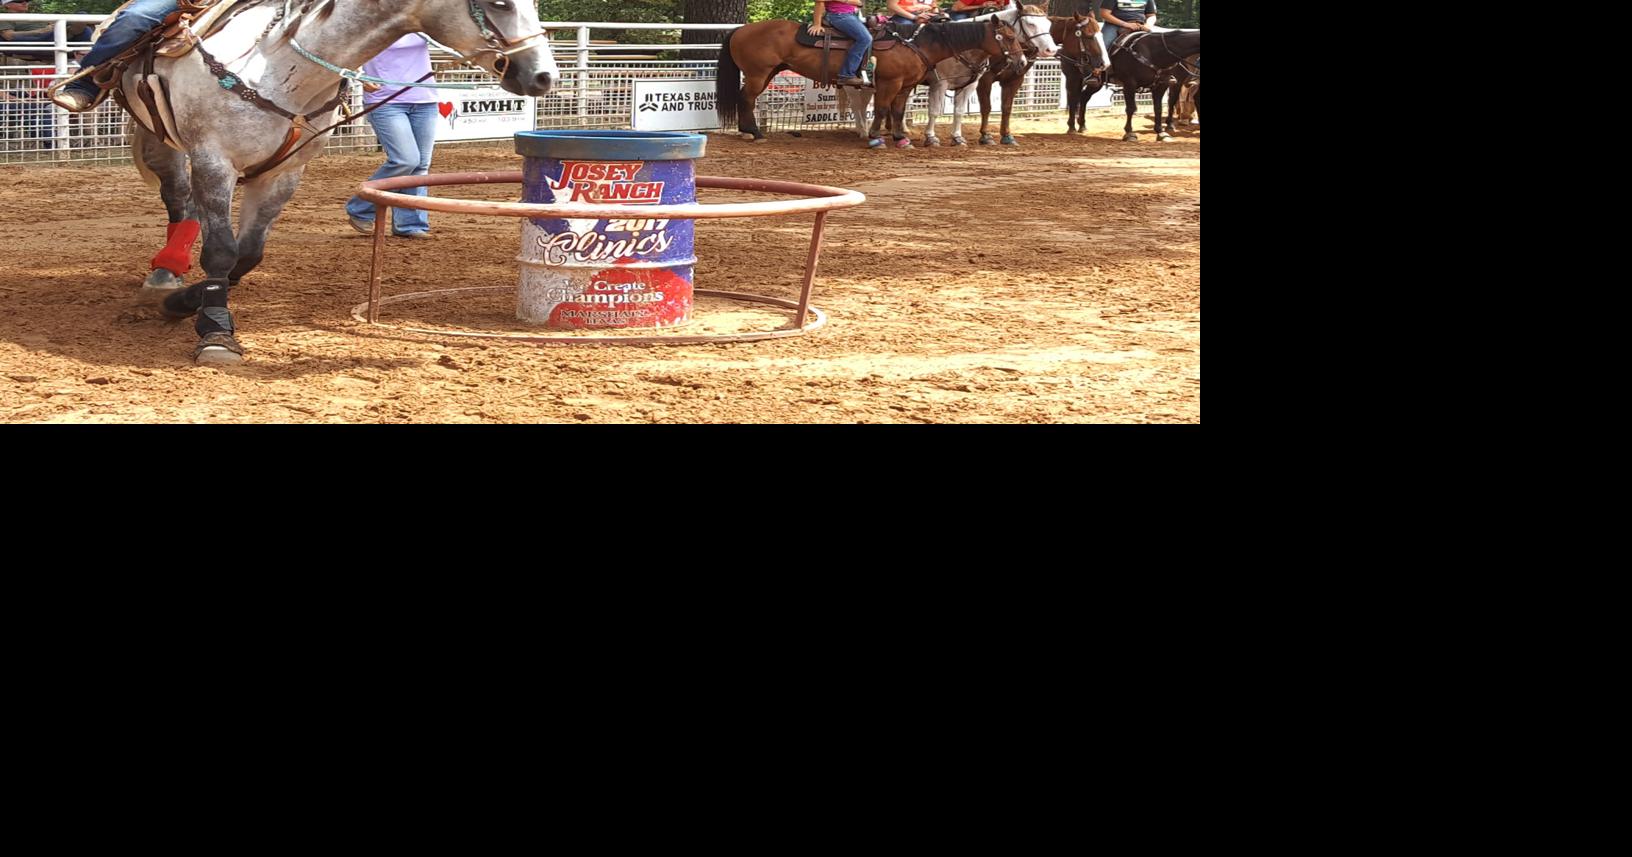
x,y
263,201
1172,94
1073,95
213,182
985,90
1009,91
898,115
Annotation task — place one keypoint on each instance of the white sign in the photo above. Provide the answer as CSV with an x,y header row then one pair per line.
x,y
1102,98
822,105
489,113
674,105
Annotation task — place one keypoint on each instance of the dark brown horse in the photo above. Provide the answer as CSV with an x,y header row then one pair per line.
x,y
1082,59
1143,62
759,51
1083,62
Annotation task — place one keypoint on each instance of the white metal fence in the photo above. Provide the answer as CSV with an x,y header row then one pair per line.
x,y
595,91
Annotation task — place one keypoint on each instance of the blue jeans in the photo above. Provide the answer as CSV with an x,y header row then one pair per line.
x,y
408,134
901,19
849,24
1109,32
140,17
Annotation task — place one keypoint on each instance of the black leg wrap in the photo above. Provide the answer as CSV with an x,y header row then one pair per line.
x,y
213,319
214,292
182,303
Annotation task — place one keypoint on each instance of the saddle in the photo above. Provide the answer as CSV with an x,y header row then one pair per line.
x,y
179,33
885,37
1124,40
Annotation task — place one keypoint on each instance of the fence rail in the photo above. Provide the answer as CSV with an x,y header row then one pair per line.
x,y
596,90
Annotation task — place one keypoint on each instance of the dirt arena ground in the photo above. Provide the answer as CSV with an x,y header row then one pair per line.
x,y
1057,282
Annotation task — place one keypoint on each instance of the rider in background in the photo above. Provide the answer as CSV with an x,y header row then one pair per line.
x,y
844,18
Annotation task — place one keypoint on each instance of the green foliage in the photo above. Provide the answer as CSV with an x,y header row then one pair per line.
x,y
76,7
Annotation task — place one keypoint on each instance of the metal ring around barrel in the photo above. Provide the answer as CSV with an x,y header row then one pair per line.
x,y
817,199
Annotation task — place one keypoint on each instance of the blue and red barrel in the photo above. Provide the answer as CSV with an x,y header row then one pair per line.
x,y
595,273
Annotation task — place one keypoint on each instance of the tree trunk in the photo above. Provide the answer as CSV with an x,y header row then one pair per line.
x,y
710,12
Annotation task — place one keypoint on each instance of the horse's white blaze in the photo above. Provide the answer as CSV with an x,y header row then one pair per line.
x,y
1036,29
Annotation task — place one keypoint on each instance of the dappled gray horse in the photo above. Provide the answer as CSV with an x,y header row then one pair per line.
x,y
254,105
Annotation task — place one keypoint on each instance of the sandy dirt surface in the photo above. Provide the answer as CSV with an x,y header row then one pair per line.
x,y
1056,282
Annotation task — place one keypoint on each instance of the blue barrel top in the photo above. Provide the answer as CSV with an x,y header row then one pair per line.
x,y
611,145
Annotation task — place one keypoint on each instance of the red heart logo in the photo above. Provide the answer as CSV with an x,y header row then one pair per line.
x,y
445,108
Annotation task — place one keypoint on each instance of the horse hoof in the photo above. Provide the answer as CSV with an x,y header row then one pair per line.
x,y
160,283
1130,138
876,143
218,349
215,355
1164,138
903,143
959,141
932,142
1008,140
181,303
986,140
747,137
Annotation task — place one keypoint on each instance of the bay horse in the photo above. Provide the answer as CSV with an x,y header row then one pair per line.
x,y
1142,61
1082,60
252,104
957,75
759,51
1176,83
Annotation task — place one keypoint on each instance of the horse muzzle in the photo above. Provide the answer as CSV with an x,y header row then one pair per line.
x,y
524,78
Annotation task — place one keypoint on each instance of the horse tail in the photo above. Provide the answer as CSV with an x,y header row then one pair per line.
x,y
727,83
138,148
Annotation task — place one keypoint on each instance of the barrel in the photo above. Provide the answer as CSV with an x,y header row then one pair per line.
x,y
627,272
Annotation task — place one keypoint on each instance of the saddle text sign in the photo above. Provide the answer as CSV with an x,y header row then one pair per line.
x,y
484,114
822,105
674,105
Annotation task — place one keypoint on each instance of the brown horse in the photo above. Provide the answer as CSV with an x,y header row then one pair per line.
x,y
759,51
1177,84
1082,59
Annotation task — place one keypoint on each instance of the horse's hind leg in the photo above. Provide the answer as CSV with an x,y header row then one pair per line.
x,y
937,94
213,182
176,189
747,121
962,100
1130,97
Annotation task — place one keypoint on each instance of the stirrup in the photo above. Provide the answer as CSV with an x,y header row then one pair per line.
x,y
57,93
